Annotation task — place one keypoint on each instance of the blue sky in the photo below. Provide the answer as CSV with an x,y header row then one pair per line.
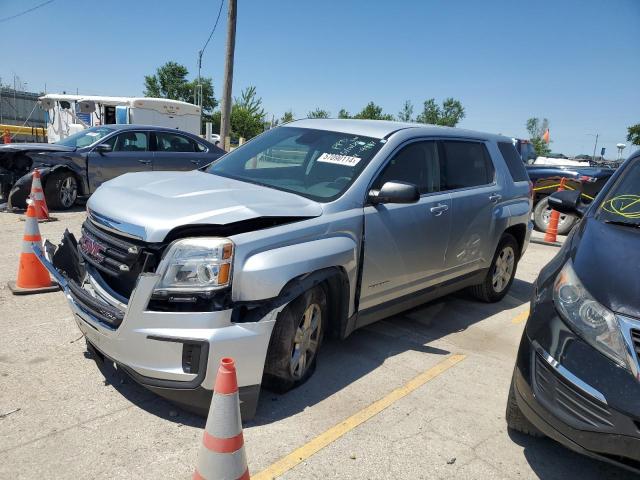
x,y
576,62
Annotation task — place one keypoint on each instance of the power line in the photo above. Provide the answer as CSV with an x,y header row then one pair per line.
x,y
214,28
11,17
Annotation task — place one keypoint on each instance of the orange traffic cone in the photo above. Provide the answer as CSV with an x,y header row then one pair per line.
x,y
37,196
222,454
32,276
552,228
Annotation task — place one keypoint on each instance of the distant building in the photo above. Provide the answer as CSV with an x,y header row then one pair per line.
x,y
20,108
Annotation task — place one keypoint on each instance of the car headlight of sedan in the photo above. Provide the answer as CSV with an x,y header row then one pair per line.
x,y
196,265
595,323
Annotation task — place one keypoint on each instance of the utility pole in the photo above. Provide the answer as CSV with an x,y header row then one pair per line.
x,y
225,121
594,147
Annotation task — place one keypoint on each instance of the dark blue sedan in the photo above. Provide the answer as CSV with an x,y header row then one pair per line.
x,y
76,166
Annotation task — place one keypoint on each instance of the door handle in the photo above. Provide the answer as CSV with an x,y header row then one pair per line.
x,y
146,162
495,198
195,162
438,209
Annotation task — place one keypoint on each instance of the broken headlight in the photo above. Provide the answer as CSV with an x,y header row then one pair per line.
x,y
195,265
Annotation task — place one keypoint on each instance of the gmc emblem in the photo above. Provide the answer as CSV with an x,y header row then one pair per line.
x,y
91,248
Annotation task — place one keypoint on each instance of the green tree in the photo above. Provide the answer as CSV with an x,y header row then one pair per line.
x,y
373,112
536,128
633,134
318,113
170,81
406,114
449,114
287,117
250,102
343,114
247,114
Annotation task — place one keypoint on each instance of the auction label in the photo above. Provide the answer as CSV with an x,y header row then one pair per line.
x,y
345,160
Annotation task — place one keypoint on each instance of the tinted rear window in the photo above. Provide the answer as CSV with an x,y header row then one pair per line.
x,y
513,161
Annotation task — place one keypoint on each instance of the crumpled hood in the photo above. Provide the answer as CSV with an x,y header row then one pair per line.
x,y
606,258
34,147
154,203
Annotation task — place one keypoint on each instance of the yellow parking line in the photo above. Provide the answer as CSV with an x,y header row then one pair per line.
x,y
301,454
521,317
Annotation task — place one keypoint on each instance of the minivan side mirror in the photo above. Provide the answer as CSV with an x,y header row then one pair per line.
x,y
567,201
104,148
395,192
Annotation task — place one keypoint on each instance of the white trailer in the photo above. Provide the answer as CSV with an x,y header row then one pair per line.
x,y
68,114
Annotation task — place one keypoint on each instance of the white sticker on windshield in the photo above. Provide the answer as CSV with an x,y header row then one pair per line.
x,y
345,160
91,134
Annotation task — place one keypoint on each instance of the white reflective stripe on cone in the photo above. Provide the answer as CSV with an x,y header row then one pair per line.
x,y
224,416
222,466
27,247
31,226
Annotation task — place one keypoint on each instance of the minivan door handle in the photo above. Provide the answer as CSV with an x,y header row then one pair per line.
x,y
146,162
495,198
438,209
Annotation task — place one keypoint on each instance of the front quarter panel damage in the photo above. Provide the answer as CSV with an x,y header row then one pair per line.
x,y
264,275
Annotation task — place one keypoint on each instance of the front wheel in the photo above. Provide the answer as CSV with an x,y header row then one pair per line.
x,y
501,272
61,190
295,341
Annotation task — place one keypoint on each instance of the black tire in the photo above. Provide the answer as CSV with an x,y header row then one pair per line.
x,y
489,291
279,372
61,190
540,218
516,419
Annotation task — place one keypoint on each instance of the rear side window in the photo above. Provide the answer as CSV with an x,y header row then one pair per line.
x,y
466,164
513,161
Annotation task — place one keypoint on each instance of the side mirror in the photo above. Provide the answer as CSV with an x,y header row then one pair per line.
x,y
104,148
567,201
395,192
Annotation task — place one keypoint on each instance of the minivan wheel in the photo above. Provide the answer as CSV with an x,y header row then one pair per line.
x,y
516,419
542,215
295,341
501,273
61,190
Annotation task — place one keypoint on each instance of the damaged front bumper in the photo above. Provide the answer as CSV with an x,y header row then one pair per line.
x,y
175,354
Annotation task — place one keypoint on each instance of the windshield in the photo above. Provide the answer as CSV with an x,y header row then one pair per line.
x,y
622,203
85,138
316,164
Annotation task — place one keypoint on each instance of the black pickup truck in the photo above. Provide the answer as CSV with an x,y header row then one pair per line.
x,y
546,178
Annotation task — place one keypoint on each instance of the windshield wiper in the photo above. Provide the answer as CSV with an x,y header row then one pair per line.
x,y
623,224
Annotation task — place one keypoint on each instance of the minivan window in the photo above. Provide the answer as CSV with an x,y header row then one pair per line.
x,y
317,164
417,163
513,161
466,164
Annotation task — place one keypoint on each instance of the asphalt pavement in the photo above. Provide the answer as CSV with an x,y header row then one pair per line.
x,y
418,395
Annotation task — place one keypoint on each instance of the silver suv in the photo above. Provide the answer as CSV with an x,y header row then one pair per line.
x,y
312,229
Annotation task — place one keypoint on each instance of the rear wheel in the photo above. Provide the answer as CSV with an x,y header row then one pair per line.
x,y
295,341
501,272
516,419
61,190
542,215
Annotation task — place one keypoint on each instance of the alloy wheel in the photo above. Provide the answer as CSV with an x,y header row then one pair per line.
x,y
306,341
68,192
503,270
